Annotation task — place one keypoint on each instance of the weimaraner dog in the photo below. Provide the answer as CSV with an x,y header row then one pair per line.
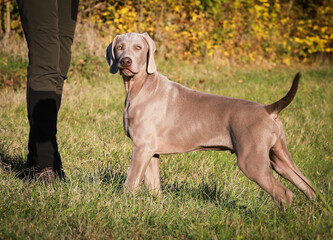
x,y
164,117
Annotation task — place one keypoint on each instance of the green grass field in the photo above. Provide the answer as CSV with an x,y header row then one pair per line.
x,y
205,195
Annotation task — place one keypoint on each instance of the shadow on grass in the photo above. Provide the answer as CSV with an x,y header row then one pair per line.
x,y
15,164
113,174
208,192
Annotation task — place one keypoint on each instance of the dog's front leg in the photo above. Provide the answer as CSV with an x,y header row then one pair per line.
x,y
152,175
141,158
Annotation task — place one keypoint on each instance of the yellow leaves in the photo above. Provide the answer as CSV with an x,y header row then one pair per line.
x,y
324,29
194,17
210,53
251,57
123,11
286,61
285,20
15,24
234,31
261,10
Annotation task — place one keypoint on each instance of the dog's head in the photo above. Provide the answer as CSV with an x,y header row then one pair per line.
x,y
131,53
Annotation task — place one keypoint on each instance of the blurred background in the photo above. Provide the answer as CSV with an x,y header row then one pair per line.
x,y
265,33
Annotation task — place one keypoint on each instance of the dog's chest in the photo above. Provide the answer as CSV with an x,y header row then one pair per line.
x,y
126,118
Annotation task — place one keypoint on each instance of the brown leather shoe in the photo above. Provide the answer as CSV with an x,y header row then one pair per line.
x,y
46,175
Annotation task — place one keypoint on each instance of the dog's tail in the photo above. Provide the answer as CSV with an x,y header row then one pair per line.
x,y
286,100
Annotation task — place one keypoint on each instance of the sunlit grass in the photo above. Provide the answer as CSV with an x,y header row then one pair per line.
x,y
204,194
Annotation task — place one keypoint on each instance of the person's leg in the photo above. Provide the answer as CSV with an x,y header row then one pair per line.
x,y
40,24
49,27
67,12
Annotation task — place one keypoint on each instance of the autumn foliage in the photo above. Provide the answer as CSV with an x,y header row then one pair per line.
x,y
271,32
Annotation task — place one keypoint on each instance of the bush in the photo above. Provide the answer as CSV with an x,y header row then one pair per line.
x,y
230,32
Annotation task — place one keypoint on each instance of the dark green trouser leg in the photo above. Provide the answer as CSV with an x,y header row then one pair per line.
x,y
49,27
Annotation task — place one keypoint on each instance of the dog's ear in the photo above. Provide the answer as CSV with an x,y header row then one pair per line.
x,y
151,66
110,56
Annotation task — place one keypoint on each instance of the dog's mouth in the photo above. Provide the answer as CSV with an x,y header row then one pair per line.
x,y
126,72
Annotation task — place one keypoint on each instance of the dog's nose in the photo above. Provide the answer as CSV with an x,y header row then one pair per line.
x,y
126,62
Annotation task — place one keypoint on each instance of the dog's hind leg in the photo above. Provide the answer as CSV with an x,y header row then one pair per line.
x,y
283,164
255,164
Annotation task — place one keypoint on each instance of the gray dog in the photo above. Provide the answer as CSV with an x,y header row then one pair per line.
x,y
164,117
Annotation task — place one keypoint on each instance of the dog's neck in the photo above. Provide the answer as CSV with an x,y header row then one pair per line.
x,y
134,84
127,83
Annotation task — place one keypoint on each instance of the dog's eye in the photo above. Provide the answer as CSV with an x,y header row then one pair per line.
x,y
119,47
138,47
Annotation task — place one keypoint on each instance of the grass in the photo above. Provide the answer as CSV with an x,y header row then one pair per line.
x,y
205,195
